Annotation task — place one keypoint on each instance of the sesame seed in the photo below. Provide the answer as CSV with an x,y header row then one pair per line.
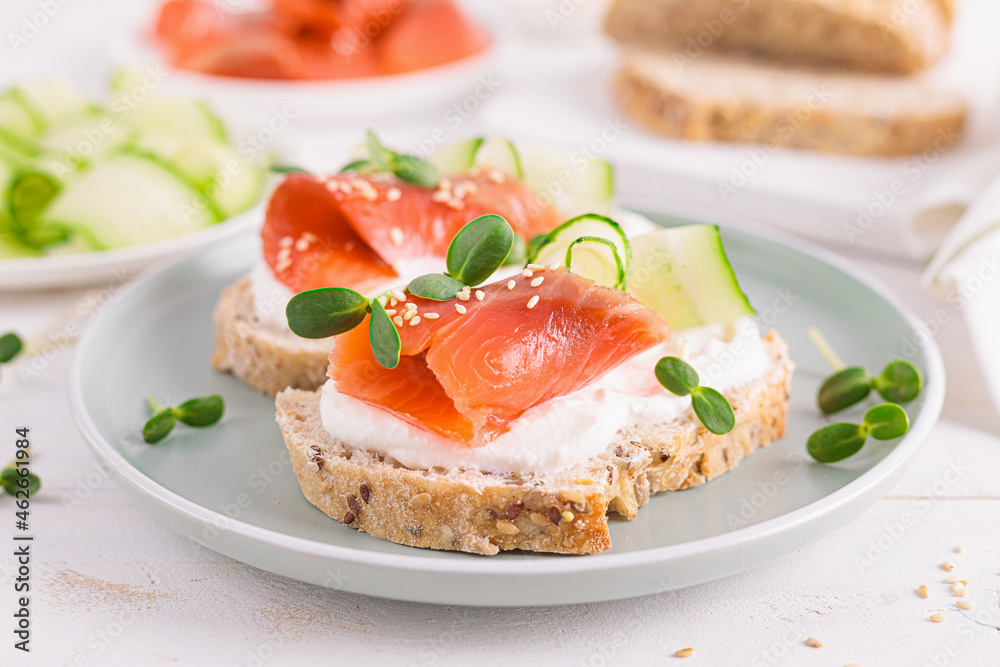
x,y
310,237
947,566
393,194
537,281
467,288
431,316
939,618
960,548
462,296
302,245
953,579
286,241
496,176
440,196
398,320
480,295
527,273
415,321
282,265
446,183
959,591
397,294
411,306
815,643
456,204
965,604
685,653
460,308
390,311
370,195
409,314
532,301
393,302
396,235
333,186
535,267
553,266
923,592
511,284
345,187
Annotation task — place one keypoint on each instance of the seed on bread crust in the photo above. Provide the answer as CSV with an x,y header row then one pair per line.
x,y
513,511
539,519
365,492
352,502
421,500
567,516
573,496
507,528
349,518
555,516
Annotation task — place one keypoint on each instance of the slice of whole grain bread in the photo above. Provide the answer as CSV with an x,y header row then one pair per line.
x,y
714,98
562,512
890,36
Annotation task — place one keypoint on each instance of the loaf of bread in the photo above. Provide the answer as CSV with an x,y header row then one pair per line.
x,y
891,36
562,512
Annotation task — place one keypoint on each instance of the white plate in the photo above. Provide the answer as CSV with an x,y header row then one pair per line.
x,y
91,268
231,487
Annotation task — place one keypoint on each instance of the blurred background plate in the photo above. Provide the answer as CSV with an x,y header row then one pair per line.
x,y
90,268
231,487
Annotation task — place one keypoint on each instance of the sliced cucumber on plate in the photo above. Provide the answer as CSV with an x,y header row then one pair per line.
x,y
499,154
683,272
54,103
176,115
456,157
129,199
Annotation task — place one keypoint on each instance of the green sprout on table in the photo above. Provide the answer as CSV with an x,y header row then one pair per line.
x,y
711,407
899,382
14,479
198,412
10,346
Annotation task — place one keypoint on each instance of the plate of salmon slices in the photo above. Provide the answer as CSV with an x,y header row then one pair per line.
x,y
319,59
442,386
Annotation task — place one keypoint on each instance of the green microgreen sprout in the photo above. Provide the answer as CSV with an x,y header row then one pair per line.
x,y
408,168
899,382
477,251
14,479
837,442
198,412
11,345
680,378
287,169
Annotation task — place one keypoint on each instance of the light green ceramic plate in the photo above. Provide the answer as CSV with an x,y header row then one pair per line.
x,y
231,487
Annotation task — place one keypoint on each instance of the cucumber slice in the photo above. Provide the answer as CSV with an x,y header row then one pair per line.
x,y
456,157
173,115
499,154
15,119
130,199
215,168
597,259
575,184
90,140
28,194
554,247
684,273
54,103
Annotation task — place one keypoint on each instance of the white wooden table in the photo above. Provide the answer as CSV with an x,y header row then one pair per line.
x,y
112,586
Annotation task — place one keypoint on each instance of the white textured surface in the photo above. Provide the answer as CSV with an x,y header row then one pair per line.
x,y
112,586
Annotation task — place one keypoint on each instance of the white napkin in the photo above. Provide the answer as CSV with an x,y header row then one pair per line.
x,y
966,272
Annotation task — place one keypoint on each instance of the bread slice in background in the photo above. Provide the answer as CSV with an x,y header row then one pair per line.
x,y
891,36
717,98
259,352
561,512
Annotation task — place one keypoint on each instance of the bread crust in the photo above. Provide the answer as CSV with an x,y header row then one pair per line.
x,y
563,512
888,36
668,106
260,353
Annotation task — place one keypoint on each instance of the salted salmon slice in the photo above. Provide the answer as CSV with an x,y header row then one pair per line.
x,y
467,376
361,230
428,34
